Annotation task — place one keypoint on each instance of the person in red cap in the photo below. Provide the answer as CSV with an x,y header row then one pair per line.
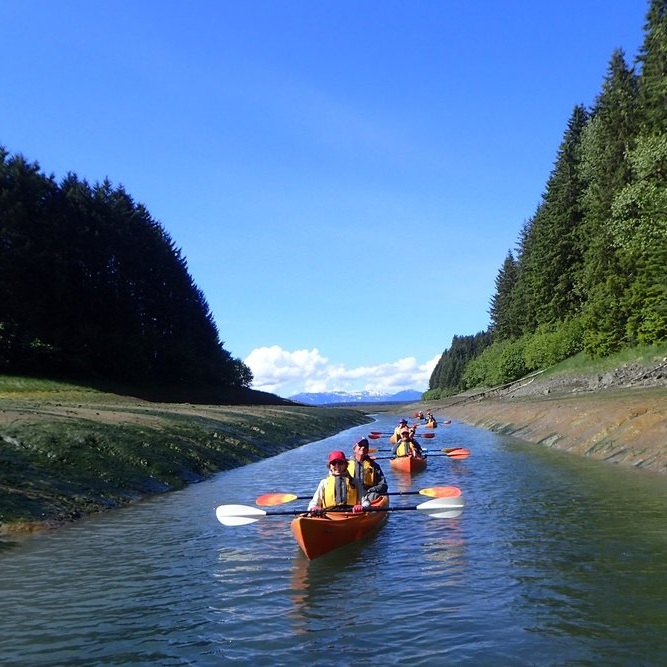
x,y
338,489
368,472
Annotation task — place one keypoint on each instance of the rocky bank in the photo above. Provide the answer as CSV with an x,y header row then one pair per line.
x,y
619,415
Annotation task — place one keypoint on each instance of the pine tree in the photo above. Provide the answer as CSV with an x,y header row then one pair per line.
x,y
653,59
606,141
501,312
551,249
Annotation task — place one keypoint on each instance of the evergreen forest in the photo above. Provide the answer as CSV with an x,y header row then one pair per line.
x,y
92,288
588,274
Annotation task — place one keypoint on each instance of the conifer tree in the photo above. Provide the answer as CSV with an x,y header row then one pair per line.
x,y
501,312
653,59
551,252
638,224
606,141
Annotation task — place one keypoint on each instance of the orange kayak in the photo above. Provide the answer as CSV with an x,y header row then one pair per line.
x,y
318,535
432,424
408,463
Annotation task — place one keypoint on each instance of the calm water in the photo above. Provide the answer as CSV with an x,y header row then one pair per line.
x,y
555,561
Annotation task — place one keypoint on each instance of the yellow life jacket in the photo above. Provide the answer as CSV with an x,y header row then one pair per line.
x,y
402,450
370,474
398,429
330,492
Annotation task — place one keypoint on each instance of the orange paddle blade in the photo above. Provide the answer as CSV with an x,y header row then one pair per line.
x,y
374,436
271,499
441,492
426,435
457,453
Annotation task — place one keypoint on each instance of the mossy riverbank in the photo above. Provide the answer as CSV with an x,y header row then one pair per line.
x,y
66,451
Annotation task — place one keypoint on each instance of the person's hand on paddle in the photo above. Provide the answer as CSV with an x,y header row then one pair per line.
x,y
316,511
358,508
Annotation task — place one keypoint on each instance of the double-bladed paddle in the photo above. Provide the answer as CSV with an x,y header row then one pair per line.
x,y
374,435
273,499
438,508
458,453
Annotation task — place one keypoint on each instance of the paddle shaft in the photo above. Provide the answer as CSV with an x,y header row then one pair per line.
x,y
239,515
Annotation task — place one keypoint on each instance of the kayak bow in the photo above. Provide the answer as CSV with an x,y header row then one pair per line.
x,y
319,535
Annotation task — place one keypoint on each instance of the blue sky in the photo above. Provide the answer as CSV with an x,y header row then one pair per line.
x,y
343,177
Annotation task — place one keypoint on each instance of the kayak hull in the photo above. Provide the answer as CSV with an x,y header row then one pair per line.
x,y
408,464
317,536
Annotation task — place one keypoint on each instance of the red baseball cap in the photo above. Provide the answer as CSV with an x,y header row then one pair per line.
x,y
337,456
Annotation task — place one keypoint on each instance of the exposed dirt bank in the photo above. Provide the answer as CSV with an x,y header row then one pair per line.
x,y
619,416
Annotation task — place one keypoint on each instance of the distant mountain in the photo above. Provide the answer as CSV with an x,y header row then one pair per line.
x,y
326,398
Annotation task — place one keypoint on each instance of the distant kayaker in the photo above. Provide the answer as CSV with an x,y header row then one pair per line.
x,y
397,431
338,489
407,445
367,471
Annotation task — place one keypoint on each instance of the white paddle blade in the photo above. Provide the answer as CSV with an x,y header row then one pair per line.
x,y
238,515
443,508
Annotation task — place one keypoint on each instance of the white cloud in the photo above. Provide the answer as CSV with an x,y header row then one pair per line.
x,y
287,373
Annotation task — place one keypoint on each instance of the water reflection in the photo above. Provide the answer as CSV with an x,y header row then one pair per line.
x,y
555,561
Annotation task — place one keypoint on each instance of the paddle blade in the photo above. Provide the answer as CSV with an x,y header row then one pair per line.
x,y
374,436
441,492
443,508
427,435
272,499
459,453
238,515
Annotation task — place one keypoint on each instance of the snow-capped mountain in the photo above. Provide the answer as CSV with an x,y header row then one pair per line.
x,y
325,398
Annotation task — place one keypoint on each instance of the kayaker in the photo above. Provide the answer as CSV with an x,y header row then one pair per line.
x,y
338,489
407,445
401,425
368,471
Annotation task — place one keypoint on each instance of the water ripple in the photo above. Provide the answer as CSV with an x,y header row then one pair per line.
x,y
549,564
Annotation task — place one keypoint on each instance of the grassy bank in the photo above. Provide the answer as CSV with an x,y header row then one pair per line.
x,y
67,450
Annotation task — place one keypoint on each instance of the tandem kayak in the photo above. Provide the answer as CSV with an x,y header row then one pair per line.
x,y
318,535
408,463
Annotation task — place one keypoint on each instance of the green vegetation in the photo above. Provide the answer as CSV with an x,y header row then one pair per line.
x,y
589,274
582,364
67,451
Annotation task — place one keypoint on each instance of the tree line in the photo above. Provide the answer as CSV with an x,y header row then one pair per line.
x,y
589,272
93,288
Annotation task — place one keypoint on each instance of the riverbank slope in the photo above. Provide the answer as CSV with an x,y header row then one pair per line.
x,y
68,451
618,416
